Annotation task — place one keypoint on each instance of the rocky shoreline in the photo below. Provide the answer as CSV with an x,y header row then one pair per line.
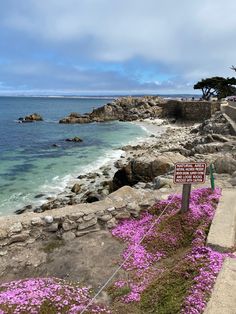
x,y
97,201
149,165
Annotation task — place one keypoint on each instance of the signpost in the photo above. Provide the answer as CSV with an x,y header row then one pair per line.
x,y
187,173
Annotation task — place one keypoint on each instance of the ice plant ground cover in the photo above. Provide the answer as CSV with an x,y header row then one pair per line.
x,y
171,270
45,296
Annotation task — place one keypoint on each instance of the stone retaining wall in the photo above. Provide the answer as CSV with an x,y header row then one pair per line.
x,y
231,112
190,110
73,221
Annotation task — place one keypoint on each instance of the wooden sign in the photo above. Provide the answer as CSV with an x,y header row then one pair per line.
x,y
187,173
190,172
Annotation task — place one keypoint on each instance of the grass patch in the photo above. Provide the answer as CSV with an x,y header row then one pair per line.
x,y
165,295
50,246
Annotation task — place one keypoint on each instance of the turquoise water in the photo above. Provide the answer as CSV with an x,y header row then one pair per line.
x,y
31,165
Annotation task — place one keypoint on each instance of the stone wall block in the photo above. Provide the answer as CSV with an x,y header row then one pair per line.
x,y
105,217
52,228
69,225
76,216
89,217
87,224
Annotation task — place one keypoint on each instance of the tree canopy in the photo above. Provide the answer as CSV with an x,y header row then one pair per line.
x,y
217,86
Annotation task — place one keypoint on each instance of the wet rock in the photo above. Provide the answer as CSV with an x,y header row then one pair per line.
x,y
38,196
92,197
75,139
23,209
76,188
31,118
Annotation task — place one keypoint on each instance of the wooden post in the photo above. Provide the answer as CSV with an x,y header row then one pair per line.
x,y
185,198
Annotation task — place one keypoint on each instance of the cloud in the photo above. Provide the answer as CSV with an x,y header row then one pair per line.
x,y
143,40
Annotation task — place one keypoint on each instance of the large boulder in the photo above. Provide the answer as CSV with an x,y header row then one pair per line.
x,y
225,164
146,168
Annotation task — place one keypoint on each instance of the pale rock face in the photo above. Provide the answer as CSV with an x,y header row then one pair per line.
x,y
16,228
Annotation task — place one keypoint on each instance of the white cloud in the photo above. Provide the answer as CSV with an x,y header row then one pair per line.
x,y
193,38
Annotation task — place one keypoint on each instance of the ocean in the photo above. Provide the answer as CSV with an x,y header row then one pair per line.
x,y
30,164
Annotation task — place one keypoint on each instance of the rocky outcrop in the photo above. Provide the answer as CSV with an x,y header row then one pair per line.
x,y
124,109
217,124
31,118
225,164
75,139
146,168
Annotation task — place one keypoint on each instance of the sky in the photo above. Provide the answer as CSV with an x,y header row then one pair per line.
x,y
102,47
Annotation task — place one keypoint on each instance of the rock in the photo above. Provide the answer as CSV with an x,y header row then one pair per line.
x,y
159,182
76,216
76,188
3,234
110,209
38,196
225,164
2,253
234,174
15,228
92,197
69,225
31,118
84,232
22,237
23,209
123,109
48,219
123,215
87,224
146,168
88,217
52,228
105,218
232,181
75,139
220,138
68,236
37,221
111,223
56,145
